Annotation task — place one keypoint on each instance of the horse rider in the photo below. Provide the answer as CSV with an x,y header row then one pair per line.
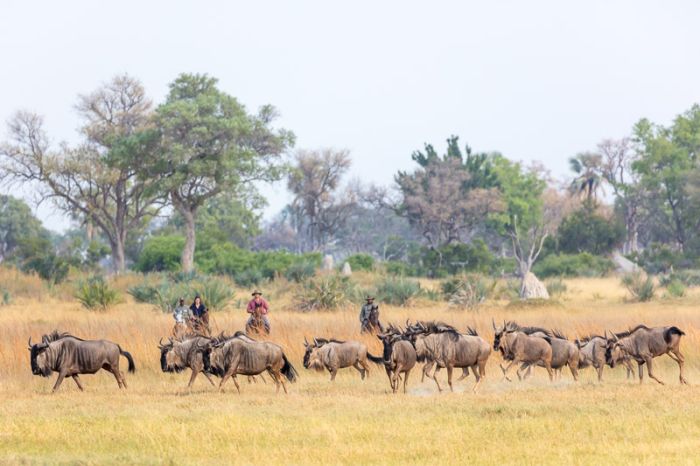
x,y
369,316
182,315
261,307
200,313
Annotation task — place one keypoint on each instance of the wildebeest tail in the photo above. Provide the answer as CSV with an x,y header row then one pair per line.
x,y
672,331
127,355
288,370
375,359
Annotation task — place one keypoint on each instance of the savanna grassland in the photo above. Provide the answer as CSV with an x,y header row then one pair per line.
x,y
158,421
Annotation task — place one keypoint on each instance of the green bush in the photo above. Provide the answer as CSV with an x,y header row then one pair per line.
x,y
555,287
249,277
161,253
327,292
640,286
587,231
659,258
301,270
361,262
398,268
216,294
95,293
6,297
468,291
688,277
675,289
577,265
398,291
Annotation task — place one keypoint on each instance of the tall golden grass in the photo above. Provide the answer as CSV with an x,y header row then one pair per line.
x,y
158,421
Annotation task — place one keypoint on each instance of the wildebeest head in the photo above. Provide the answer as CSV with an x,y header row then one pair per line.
x,y
500,332
613,350
40,358
171,358
312,354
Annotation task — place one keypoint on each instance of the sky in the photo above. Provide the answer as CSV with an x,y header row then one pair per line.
x,y
536,81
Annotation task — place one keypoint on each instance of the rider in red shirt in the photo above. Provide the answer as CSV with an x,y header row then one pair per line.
x,y
259,304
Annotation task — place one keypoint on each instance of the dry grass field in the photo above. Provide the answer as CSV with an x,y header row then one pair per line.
x,y
158,421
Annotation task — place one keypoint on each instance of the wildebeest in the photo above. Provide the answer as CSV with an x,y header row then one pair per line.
x,y
592,353
336,354
70,356
399,357
247,356
643,344
441,344
517,346
178,355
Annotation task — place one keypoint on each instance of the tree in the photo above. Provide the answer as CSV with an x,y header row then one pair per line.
x,y
98,180
212,145
319,209
17,223
586,230
587,182
447,198
666,158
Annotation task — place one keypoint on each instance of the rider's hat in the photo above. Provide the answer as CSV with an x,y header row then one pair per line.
x,y
369,298
257,292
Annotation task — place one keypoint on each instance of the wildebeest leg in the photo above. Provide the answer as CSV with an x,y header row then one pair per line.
x,y
677,356
650,370
465,374
548,366
365,366
434,377
360,369
630,369
449,376
475,370
405,379
192,377
59,381
600,372
209,379
505,371
77,382
235,382
390,376
117,375
641,371
333,372
574,372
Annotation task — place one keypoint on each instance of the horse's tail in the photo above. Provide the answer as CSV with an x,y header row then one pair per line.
x,y
127,355
288,370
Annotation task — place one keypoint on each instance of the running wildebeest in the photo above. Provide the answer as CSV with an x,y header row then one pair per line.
x,y
441,344
517,346
399,357
336,354
247,356
592,353
71,356
643,344
178,355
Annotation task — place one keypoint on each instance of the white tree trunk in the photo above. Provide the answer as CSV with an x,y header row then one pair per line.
x,y
187,259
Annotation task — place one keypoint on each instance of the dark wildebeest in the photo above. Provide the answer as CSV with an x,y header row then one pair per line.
x,y
441,344
336,354
245,356
399,357
643,344
592,354
517,346
71,356
178,355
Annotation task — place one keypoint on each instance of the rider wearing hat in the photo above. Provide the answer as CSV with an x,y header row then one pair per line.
x,y
258,304
369,315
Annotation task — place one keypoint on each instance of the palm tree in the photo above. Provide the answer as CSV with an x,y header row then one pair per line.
x,y
588,180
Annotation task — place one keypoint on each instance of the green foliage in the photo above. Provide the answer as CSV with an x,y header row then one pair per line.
x,y
675,289
398,291
95,293
659,258
17,225
640,286
216,294
468,291
360,262
301,270
161,253
6,297
327,292
38,256
587,231
398,268
455,258
573,265
556,287
687,277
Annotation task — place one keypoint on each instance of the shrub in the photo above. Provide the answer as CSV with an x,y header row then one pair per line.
x,y
689,278
6,297
555,287
640,286
249,277
300,271
360,262
95,293
565,265
398,268
675,289
327,292
587,231
468,291
398,291
161,253
659,258
215,293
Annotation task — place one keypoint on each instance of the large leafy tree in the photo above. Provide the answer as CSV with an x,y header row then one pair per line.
x,y
667,158
98,180
447,198
17,224
212,145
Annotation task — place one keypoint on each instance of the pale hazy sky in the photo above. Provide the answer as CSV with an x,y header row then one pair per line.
x,y
536,80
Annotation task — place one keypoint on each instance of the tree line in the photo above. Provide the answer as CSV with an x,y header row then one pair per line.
x,y
183,177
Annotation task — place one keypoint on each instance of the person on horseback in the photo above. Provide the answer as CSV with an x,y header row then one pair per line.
x,y
182,316
200,315
369,317
258,307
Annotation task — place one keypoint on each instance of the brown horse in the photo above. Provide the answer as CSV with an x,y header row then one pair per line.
x,y
256,325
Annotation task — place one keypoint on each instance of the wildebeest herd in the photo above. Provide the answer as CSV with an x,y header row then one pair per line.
x,y
435,344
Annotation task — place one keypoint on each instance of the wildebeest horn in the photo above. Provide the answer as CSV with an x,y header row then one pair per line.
x,y
30,342
493,323
315,342
306,342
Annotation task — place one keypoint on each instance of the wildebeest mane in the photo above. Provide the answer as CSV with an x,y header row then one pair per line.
x,y
472,331
558,334
56,335
629,332
323,341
